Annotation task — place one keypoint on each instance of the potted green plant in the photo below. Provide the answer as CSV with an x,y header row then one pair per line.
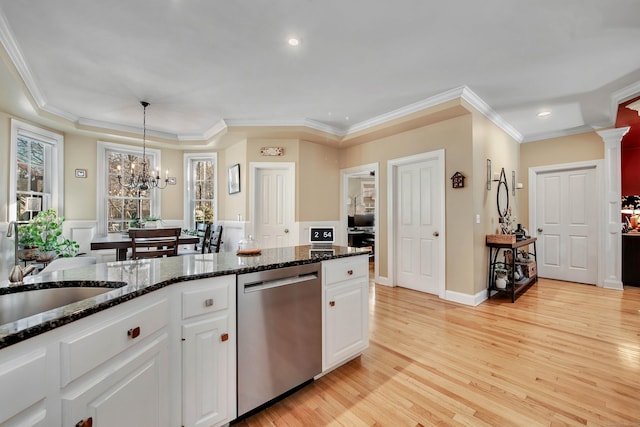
x,y
44,232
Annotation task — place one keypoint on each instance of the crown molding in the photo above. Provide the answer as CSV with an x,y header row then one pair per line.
x,y
11,47
84,122
622,95
560,134
406,110
470,96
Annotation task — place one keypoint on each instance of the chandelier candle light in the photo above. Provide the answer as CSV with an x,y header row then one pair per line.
x,y
144,180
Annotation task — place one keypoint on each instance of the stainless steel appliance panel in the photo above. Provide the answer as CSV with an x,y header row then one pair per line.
x,y
279,332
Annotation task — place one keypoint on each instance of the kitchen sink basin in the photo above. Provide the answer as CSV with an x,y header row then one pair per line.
x,y
19,305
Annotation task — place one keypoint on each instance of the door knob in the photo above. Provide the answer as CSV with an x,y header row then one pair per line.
x,y
286,230
539,230
436,234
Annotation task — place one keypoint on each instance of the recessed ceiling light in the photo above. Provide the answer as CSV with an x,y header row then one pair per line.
x,y
294,41
544,113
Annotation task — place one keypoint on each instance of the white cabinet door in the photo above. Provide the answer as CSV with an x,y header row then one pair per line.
x,y
346,321
129,392
205,361
209,352
22,393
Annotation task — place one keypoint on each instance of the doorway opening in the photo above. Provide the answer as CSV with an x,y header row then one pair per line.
x,y
359,209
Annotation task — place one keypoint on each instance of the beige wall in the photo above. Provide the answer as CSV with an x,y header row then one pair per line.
x,y
80,152
489,142
318,183
454,136
233,204
554,151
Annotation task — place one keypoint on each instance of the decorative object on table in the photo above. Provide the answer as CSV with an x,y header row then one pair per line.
x,y
17,273
81,173
501,278
234,179
143,180
501,238
518,274
272,151
457,180
529,269
506,222
44,233
152,222
248,247
520,233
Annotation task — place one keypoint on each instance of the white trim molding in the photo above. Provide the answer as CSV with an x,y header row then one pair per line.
x,y
612,264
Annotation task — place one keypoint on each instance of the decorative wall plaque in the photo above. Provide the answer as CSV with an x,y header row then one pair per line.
x,y
272,151
457,180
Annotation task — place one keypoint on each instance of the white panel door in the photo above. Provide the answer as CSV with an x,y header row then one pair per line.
x,y
566,225
418,225
274,215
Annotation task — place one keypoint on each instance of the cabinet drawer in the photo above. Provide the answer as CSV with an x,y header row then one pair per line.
x,y
336,271
89,348
208,296
21,382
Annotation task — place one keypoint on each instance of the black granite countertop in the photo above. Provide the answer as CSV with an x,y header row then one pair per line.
x,y
130,279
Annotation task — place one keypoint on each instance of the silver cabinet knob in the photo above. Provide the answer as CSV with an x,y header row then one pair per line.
x,y
286,230
436,234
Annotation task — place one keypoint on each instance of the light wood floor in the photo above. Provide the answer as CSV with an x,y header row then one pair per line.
x,y
563,354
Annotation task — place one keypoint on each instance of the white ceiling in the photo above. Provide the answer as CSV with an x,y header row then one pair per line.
x,y
207,64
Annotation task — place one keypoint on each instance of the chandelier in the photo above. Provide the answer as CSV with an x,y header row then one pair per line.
x,y
143,180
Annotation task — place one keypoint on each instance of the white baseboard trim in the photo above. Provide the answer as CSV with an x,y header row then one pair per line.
x,y
466,299
381,280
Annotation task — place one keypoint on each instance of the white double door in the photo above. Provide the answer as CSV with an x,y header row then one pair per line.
x,y
419,225
566,225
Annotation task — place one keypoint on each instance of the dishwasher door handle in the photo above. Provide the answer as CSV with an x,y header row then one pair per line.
x,y
268,284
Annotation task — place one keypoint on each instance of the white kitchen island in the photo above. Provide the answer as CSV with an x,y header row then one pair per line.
x,y
160,348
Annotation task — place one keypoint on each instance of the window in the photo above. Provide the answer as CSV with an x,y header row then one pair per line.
x,y
122,204
200,187
36,171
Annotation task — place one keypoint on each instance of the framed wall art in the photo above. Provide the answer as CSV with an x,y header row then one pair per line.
x,y
234,179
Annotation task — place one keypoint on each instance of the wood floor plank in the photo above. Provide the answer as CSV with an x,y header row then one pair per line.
x,y
563,354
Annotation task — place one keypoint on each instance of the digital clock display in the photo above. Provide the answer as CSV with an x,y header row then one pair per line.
x,y
321,234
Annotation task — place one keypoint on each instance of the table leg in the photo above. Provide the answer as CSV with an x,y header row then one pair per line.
x,y
121,254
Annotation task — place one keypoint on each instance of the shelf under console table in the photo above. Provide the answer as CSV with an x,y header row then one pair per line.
x,y
526,266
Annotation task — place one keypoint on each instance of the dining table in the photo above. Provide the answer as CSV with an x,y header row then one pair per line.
x,y
122,242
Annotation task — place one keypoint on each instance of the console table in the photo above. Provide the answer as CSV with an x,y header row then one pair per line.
x,y
528,266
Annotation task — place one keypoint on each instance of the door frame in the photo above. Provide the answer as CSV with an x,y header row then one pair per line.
x,y
345,174
254,167
392,169
599,208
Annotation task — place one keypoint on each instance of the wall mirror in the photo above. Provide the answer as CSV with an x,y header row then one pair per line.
x,y
502,199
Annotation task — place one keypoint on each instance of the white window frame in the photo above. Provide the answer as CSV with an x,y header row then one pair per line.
x,y
102,181
55,141
188,184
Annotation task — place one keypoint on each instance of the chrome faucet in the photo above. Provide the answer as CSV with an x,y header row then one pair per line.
x,y
12,225
11,231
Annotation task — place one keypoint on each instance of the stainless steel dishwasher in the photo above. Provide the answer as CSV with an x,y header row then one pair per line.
x,y
279,332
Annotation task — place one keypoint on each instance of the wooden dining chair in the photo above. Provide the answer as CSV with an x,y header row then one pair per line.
x,y
215,239
203,231
154,242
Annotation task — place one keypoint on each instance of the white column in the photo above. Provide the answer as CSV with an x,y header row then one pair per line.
x,y
610,268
